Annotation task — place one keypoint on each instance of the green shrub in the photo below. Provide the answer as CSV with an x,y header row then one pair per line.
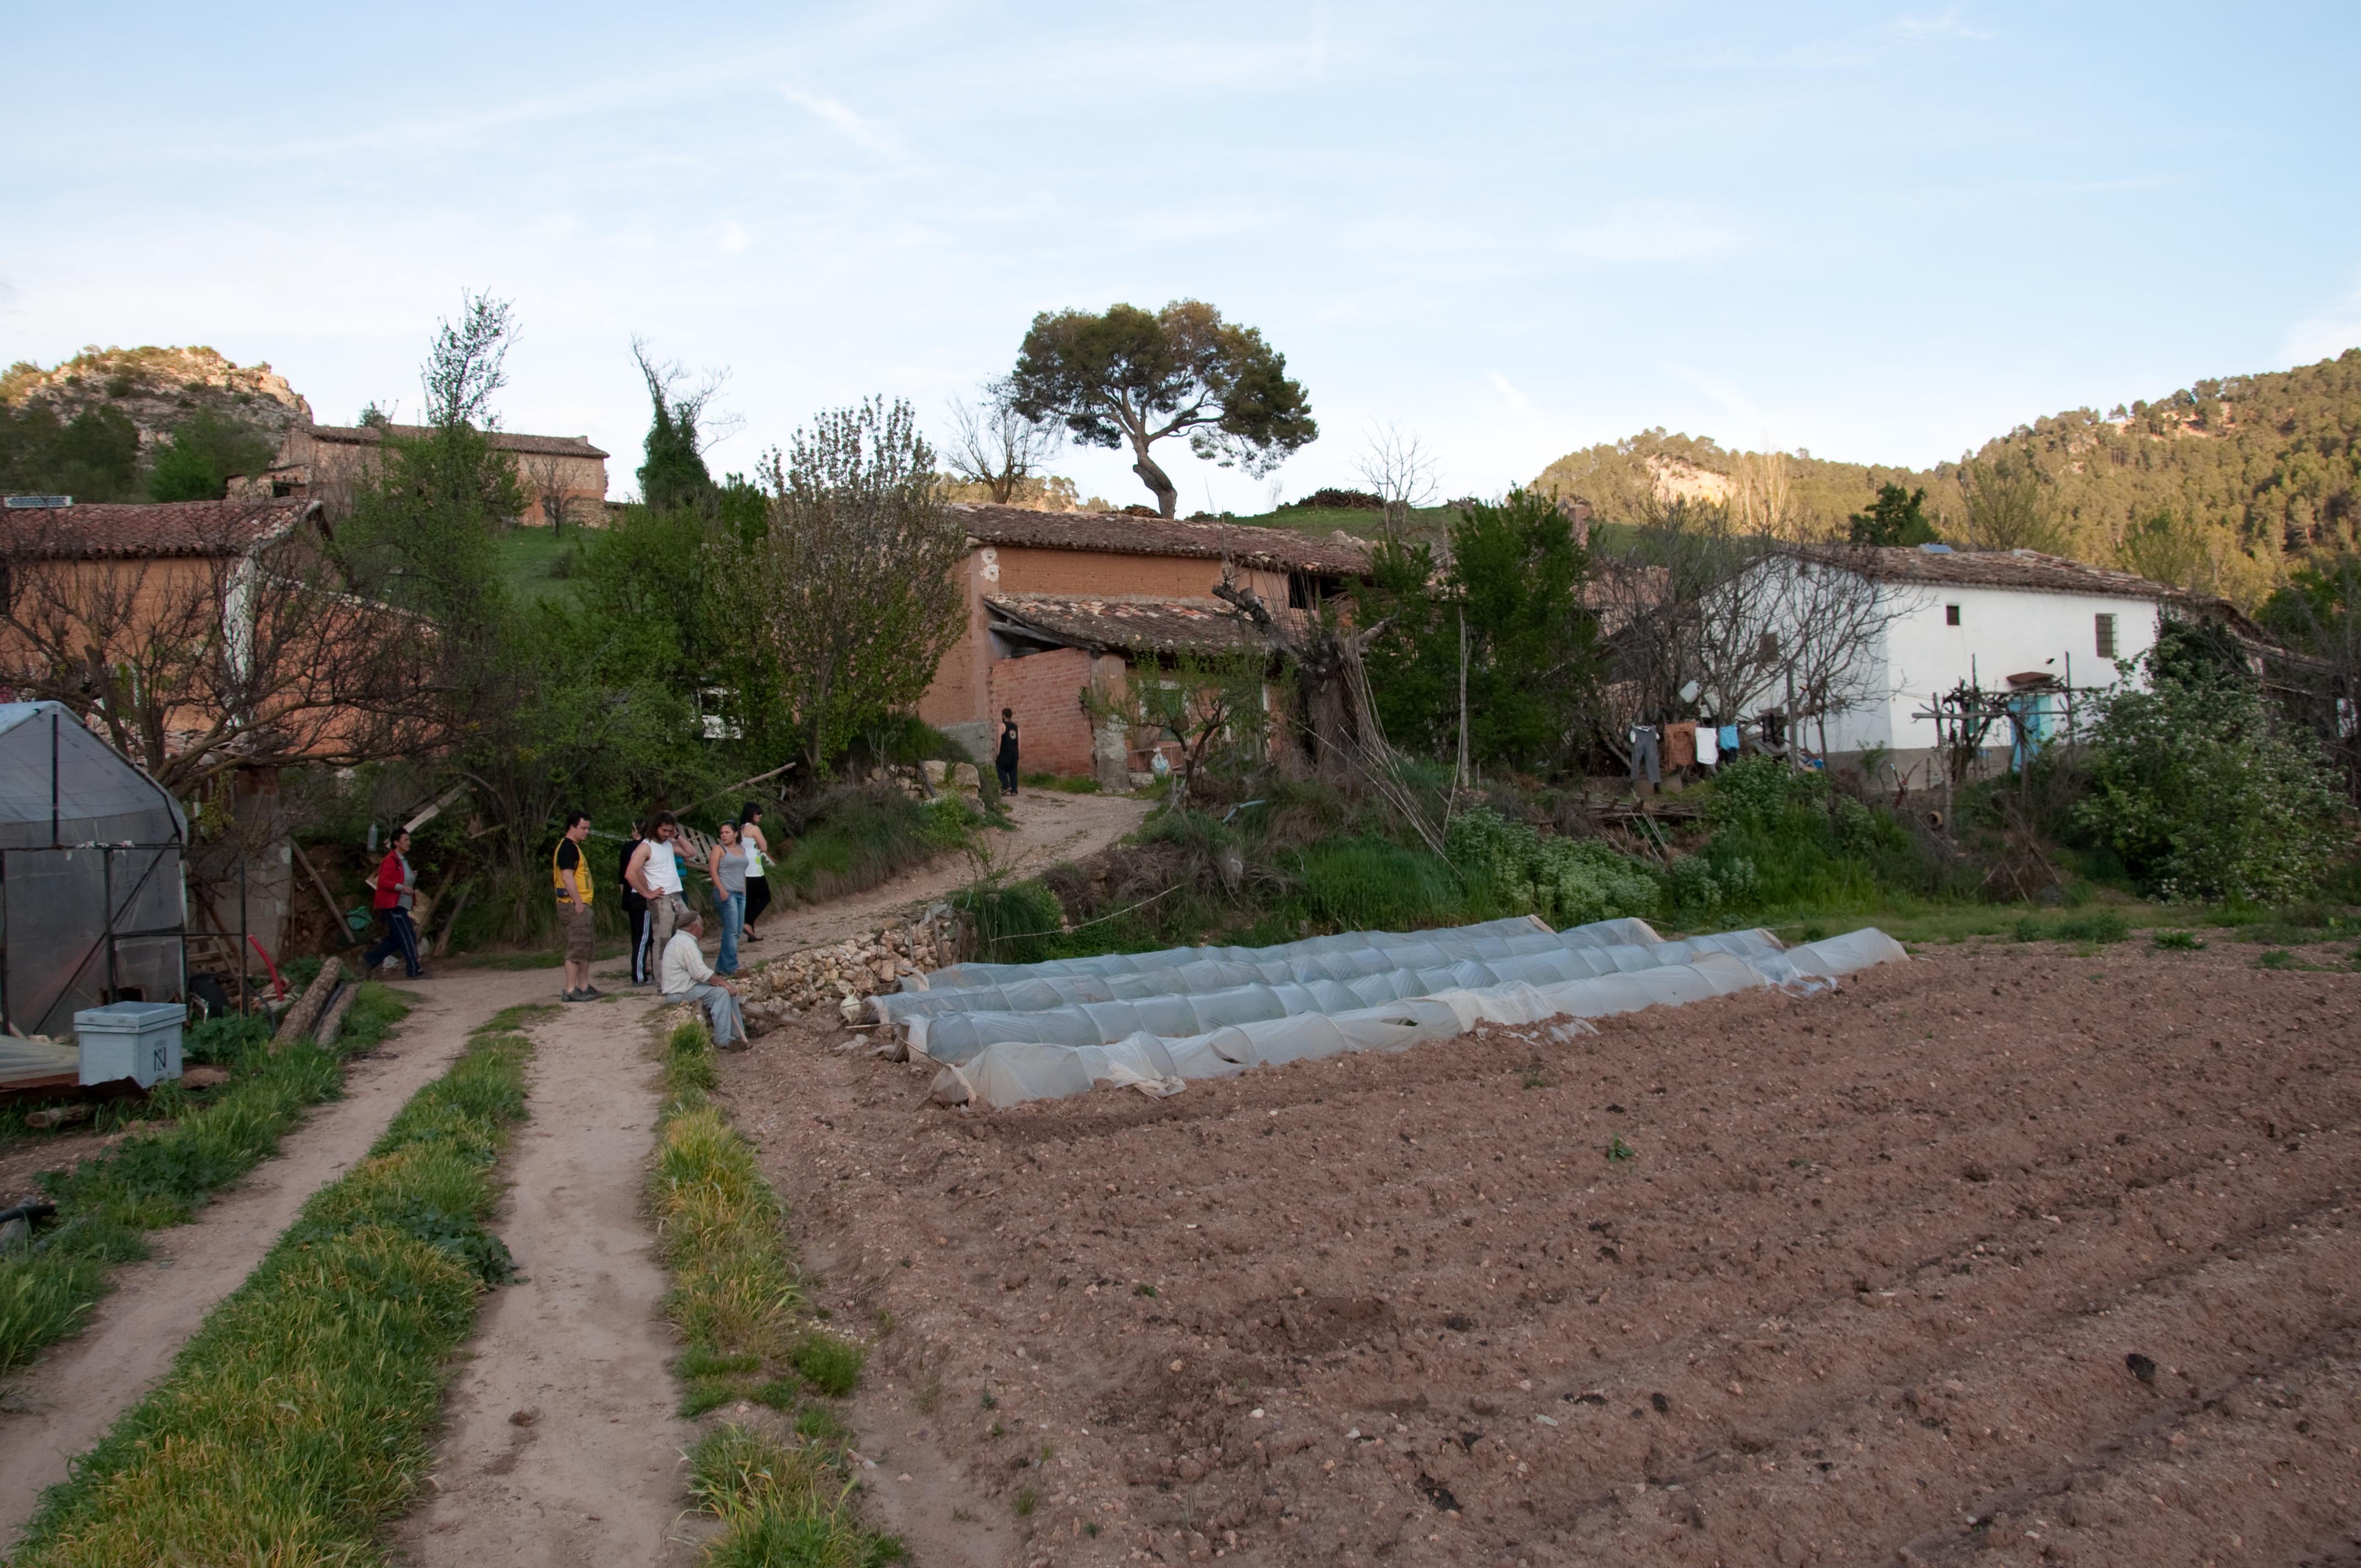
x,y
2203,793
2176,941
828,1364
1373,884
1568,881
1014,922
2106,926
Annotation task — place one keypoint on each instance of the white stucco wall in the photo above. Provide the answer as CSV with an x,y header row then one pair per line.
x,y
2002,632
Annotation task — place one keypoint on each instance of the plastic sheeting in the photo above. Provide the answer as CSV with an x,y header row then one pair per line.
x,y
951,1037
1039,988
1006,1073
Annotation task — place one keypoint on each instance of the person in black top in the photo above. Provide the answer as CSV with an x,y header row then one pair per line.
x,y
636,909
1004,764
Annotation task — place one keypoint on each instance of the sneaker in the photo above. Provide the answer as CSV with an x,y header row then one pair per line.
x,y
569,996
588,994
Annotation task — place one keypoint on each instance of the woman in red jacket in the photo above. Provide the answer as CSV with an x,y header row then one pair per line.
x,y
396,888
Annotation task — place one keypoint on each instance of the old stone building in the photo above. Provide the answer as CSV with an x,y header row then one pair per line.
x,y
564,478
1059,604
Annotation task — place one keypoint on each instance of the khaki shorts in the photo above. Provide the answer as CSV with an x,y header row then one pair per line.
x,y
576,921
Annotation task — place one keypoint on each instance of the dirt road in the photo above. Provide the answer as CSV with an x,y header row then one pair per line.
x,y
2007,1254
69,1398
1051,827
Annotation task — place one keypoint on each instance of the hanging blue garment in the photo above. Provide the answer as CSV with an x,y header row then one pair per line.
x,y
1727,735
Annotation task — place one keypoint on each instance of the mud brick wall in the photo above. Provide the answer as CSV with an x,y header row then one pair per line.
x,y
1046,690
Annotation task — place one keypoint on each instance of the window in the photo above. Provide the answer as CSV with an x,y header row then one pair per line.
x,y
2106,626
1951,615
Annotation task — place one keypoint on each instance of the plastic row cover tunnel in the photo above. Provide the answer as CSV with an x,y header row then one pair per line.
x,y
959,976
1179,972
1006,1073
955,1037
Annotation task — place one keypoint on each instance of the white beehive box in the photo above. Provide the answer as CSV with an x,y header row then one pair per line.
x,y
138,1040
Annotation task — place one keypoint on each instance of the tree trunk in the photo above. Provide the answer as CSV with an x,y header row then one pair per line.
x,y
1167,495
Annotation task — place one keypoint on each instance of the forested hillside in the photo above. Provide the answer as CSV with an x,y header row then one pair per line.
x,y
2225,485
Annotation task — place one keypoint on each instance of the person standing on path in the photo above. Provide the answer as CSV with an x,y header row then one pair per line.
x,y
1005,763
686,977
569,868
635,907
655,871
727,868
397,890
758,868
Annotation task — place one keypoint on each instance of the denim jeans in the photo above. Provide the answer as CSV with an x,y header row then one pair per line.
x,y
733,920
400,939
721,1011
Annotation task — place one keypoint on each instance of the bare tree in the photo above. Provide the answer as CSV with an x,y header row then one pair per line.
x,y
687,396
1822,613
1401,471
243,651
543,478
993,445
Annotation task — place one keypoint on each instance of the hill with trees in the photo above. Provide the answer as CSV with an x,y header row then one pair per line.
x,y
118,424
2225,487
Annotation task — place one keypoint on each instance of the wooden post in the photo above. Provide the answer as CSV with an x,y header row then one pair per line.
x,y
336,916
305,1014
332,1021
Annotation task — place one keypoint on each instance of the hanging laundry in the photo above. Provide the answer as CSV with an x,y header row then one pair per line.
x,y
1644,754
1708,749
1728,739
1680,745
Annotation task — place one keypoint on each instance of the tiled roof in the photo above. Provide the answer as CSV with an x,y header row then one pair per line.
x,y
507,441
157,528
1130,623
1991,569
1124,533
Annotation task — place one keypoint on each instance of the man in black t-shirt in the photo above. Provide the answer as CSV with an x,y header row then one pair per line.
x,y
569,870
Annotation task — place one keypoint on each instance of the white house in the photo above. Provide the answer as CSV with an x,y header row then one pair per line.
x,y
2008,620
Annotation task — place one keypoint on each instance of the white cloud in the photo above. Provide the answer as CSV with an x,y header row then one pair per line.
x,y
1509,393
843,117
1725,395
1853,50
730,237
2328,334
1656,229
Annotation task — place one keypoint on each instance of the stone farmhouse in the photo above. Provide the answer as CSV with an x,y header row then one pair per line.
x,y
563,476
1062,604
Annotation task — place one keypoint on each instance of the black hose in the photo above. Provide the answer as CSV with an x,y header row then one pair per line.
x,y
32,1212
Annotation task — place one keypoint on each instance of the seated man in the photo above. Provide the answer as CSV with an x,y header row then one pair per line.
x,y
686,976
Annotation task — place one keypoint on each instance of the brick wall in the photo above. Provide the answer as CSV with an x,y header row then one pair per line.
x,y
1046,690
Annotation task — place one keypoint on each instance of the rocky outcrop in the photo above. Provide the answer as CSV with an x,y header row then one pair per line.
x,y
157,389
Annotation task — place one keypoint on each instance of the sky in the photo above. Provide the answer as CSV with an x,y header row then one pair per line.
x,y
1879,234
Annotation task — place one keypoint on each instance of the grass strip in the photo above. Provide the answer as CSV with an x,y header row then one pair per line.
x,y
157,1178
298,1415
735,1299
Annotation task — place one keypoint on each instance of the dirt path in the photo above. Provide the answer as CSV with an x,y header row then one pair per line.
x,y
1051,827
2007,1254
69,1398
562,1445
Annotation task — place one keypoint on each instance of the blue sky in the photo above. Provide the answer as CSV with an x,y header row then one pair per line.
x,y
1881,233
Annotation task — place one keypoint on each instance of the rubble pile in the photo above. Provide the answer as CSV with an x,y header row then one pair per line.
x,y
851,969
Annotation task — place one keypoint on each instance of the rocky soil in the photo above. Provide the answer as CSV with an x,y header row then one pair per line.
x,y
2009,1254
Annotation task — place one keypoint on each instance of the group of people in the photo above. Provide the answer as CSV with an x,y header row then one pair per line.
x,y
666,928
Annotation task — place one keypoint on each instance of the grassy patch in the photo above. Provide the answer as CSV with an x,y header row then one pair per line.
x,y
153,1179
300,1415
736,1301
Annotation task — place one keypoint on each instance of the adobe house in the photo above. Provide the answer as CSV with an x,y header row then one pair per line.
x,y
562,476
1060,603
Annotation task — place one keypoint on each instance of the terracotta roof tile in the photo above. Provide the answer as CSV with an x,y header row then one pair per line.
x,y
1129,623
156,528
1993,569
1124,533
507,441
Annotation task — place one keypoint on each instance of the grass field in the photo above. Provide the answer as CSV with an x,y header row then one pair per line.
x,y
529,556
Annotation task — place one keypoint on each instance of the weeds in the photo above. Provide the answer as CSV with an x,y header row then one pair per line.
x,y
2177,941
155,1180
300,1414
828,1364
779,1504
1027,1500
1619,1151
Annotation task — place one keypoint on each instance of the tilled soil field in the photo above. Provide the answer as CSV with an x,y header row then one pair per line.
x,y
2007,1254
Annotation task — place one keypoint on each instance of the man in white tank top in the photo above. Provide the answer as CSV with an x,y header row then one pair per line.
x,y
654,874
